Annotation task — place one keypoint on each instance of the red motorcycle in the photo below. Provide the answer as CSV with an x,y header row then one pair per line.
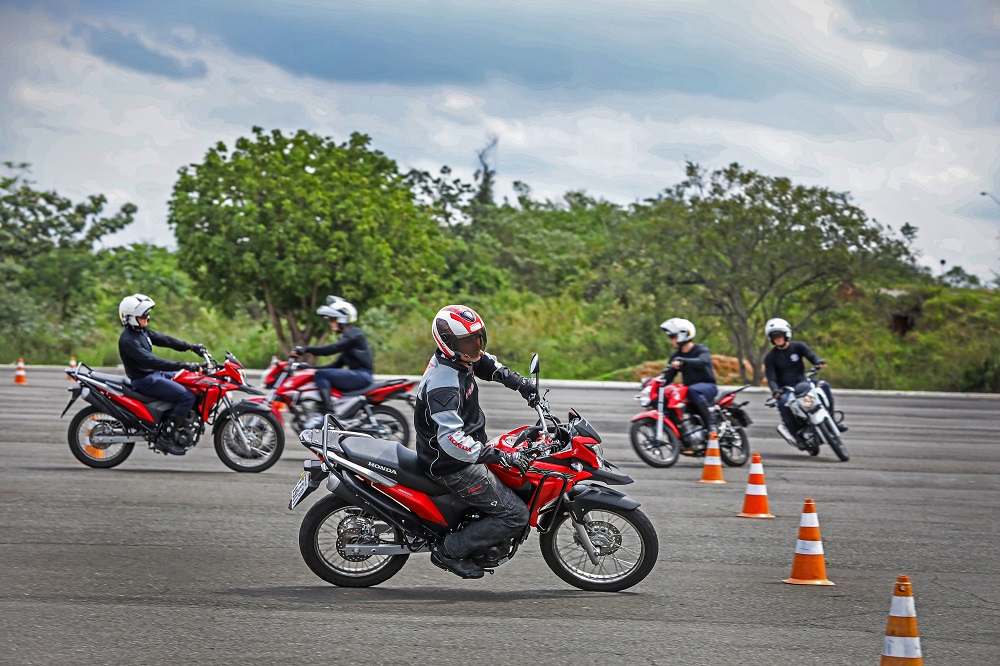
x,y
292,385
247,436
667,428
383,508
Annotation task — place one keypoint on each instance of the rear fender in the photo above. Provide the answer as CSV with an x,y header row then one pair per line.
x,y
103,402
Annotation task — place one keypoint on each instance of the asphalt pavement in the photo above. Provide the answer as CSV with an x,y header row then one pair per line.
x,y
180,560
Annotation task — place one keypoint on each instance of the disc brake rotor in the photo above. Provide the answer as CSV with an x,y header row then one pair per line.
x,y
355,531
605,537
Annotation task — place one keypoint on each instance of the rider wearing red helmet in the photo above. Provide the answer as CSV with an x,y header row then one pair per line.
x,y
451,435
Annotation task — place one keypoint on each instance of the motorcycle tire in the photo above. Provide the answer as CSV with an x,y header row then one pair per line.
x,y
393,419
734,448
267,442
330,525
83,426
619,536
832,437
643,436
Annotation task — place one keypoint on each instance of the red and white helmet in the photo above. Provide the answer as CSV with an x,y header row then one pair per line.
x,y
456,322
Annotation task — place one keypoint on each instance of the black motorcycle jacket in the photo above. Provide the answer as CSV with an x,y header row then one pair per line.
x,y
785,367
136,350
352,345
450,425
695,369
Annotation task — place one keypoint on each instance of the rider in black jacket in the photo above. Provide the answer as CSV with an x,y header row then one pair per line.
x,y
451,435
149,374
784,366
351,370
694,362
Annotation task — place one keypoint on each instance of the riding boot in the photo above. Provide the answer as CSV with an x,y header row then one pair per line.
x,y
841,426
705,412
316,421
167,442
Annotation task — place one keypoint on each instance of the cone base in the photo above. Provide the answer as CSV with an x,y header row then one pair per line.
x,y
754,515
807,581
704,481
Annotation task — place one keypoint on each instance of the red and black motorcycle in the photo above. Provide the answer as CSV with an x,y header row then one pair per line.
x,y
247,436
382,508
668,428
292,385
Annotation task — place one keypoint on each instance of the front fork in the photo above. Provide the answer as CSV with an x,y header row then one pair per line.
x,y
240,432
659,427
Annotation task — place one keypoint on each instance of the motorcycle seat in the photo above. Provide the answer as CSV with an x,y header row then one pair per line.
x,y
370,387
124,384
409,473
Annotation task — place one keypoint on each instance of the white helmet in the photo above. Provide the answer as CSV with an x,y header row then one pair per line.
x,y
777,325
682,328
136,305
454,322
339,310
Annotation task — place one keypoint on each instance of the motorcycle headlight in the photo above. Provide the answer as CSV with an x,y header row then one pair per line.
x,y
598,450
645,396
808,403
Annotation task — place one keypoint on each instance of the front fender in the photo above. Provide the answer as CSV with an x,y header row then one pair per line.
x,y
585,496
244,407
653,414
819,416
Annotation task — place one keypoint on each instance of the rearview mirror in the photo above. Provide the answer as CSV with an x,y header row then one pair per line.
x,y
533,366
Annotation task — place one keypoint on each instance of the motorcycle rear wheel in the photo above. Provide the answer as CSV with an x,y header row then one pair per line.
x,y
88,422
333,524
266,442
832,437
392,420
626,544
643,437
734,447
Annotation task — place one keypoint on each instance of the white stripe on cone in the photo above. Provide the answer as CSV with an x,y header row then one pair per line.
x,y
903,607
754,489
809,547
713,460
902,647
809,520
757,468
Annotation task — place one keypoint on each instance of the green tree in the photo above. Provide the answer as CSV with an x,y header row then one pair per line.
x,y
285,220
748,247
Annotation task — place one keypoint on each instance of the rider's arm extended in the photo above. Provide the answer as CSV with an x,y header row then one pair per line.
x,y
136,356
492,370
703,358
809,354
350,338
771,372
162,340
445,406
670,371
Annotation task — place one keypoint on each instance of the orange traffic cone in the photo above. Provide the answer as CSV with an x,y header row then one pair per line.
x,y
808,567
72,366
902,642
711,471
20,376
755,501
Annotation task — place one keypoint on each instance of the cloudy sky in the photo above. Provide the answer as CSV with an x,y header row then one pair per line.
x,y
896,102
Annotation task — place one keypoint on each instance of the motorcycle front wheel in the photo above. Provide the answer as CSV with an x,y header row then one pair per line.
x,y
653,453
328,535
625,542
91,423
832,437
265,442
734,446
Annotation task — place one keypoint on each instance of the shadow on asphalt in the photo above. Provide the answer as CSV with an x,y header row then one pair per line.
x,y
421,595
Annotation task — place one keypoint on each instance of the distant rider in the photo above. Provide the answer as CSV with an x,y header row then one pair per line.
x,y
784,367
694,362
451,435
149,374
354,367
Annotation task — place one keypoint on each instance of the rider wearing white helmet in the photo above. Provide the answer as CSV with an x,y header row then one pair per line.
x,y
694,362
149,374
350,371
784,366
451,436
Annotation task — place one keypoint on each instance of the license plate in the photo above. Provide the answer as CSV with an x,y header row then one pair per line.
x,y
299,491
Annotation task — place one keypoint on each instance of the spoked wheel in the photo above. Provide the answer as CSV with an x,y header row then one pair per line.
x,y
625,543
331,541
86,431
651,452
832,436
734,446
265,440
393,426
